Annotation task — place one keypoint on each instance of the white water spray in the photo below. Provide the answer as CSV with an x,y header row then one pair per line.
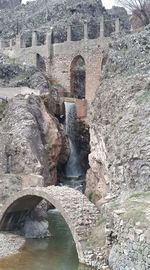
x,y
73,168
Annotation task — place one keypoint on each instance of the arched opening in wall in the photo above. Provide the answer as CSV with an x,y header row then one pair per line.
x,y
40,63
25,217
78,76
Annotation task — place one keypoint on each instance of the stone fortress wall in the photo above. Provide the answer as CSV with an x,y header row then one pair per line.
x,y
58,57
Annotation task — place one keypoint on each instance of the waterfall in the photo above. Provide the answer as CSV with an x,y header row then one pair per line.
x,y
73,168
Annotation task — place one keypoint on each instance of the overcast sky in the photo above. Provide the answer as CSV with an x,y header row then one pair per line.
x,y
106,3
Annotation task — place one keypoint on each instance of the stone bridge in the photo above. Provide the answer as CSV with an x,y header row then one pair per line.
x,y
79,213
59,60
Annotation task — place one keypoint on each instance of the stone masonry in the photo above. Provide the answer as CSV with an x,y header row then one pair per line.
x,y
59,57
80,214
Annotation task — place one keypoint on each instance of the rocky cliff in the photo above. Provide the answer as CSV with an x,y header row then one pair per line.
x,y
6,4
119,118
41,15
118,180
31,139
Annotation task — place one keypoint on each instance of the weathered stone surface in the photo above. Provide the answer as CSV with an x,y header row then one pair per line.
x,y
6,4
30,139
120,150
82,141
131,246
97,181
12,183
9,184
80,214
58,13
15,75
119,118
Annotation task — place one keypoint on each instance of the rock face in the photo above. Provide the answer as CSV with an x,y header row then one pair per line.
x,y
25,17
6,4
15,75
120,120
9,184
131,244
97,180
57,14
30,139
83,144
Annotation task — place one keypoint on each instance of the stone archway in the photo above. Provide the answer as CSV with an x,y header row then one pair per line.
x,y
40,63
79,213
78,77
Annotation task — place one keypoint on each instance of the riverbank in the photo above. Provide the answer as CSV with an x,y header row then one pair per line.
x,y
10,244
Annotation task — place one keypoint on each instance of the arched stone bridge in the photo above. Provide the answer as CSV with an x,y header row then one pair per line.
x,y
79,213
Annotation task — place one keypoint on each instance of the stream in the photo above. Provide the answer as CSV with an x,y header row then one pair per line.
x,y
55,253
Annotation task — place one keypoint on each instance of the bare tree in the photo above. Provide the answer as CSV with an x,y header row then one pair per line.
x,y
139,9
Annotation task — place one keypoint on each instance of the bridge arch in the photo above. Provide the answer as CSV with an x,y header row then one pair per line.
x,y
79,213
78,77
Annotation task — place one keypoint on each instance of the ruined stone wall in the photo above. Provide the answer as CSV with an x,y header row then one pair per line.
x,y
60,59
92,53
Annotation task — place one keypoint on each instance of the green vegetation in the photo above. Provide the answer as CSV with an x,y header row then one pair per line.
x,y
145,97
20,77
3,105
140,195
136,206
91,197
12,61
98,237
114,204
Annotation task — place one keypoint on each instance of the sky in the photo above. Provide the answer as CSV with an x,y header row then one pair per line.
x,y
106,3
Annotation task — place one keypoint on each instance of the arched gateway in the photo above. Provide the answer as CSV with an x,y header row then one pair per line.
x,y
79,213
78,77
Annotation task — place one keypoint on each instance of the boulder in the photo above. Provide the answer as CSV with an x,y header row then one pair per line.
x,y
35,229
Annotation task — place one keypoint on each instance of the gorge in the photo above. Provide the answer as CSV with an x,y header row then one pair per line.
x,y
74,138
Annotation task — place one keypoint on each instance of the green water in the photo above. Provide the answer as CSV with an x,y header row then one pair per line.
x,y
56,253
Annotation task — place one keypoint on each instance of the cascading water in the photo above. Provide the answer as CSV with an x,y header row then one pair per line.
x,y
73,168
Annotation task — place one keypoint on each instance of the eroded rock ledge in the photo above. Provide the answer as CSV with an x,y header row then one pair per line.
x,y
31,139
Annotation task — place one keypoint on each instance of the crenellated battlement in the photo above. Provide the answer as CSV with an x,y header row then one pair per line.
x,y
20,42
